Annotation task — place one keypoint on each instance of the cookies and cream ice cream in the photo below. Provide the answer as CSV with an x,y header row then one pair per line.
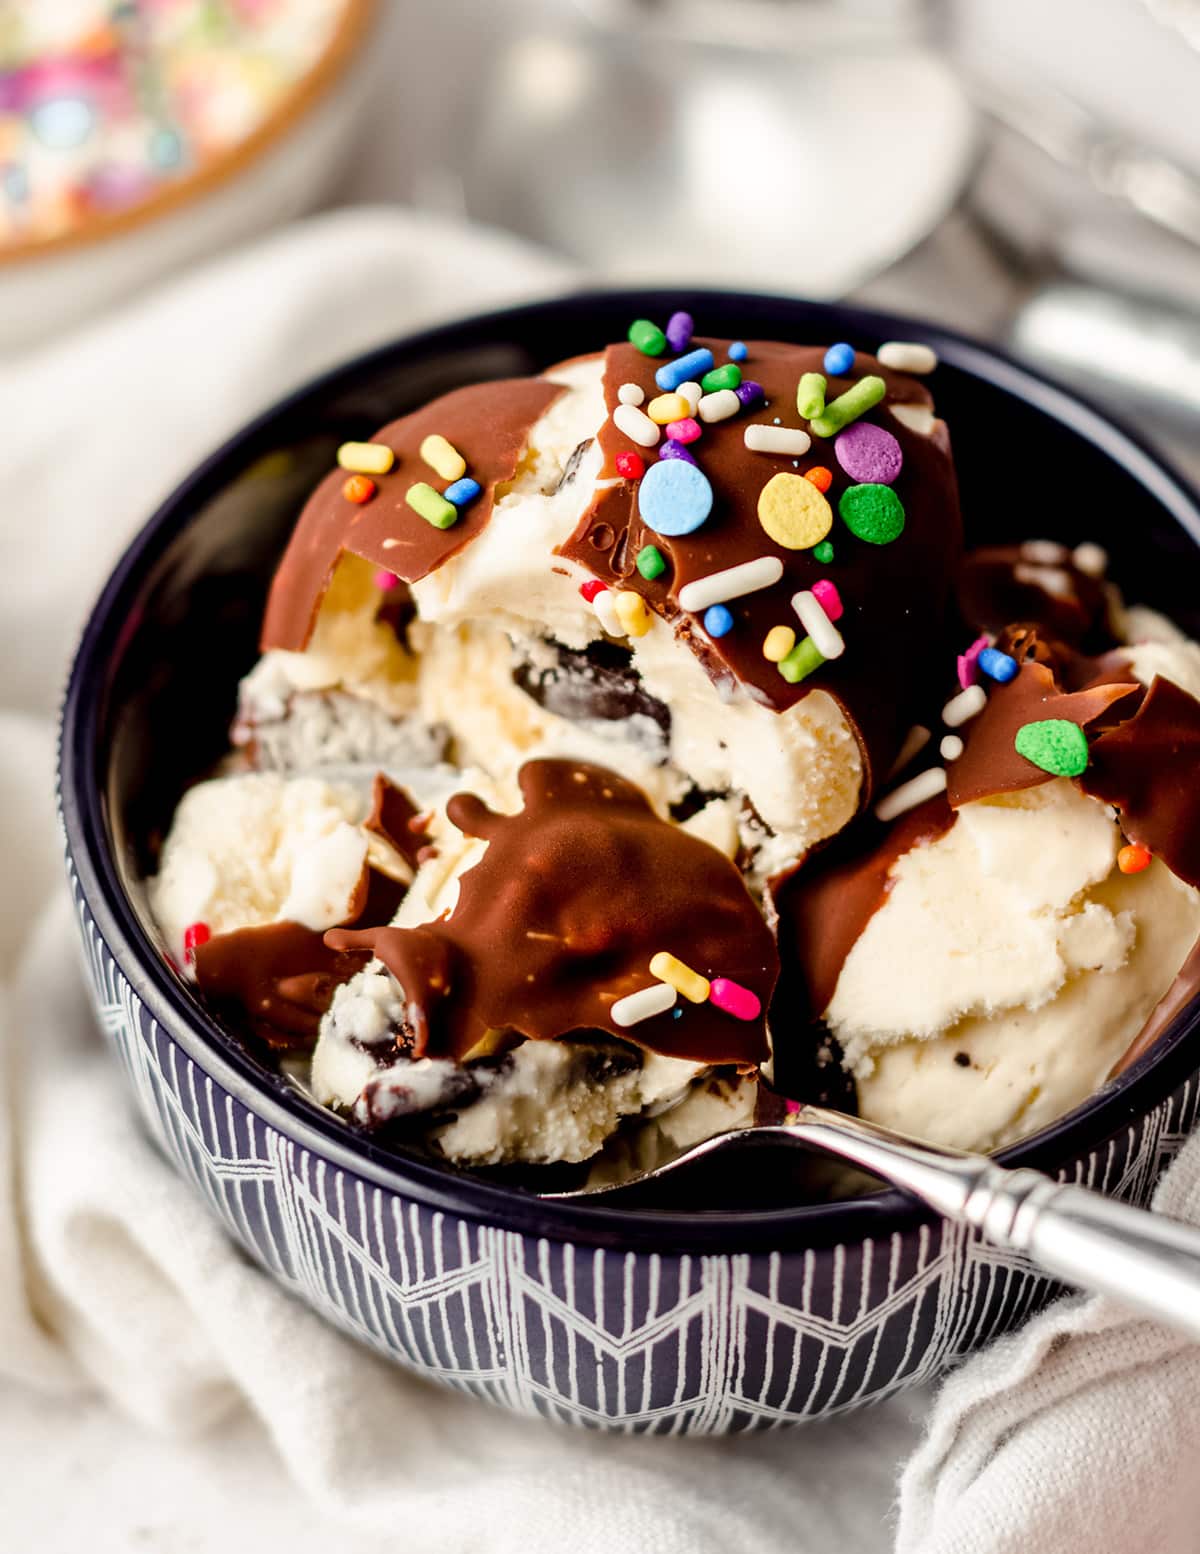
x,y
564,800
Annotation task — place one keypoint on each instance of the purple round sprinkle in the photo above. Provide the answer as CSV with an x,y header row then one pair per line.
x,y
679,331
674,450
868,454
750,393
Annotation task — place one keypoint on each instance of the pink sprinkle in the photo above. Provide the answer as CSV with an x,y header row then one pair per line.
x,y
827,596
735,999
591,588
792,1107
686,430
968,673
385,580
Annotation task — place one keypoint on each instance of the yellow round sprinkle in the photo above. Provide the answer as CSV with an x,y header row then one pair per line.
x,y
793,512
778,643
443,457
682,978
631,611
667,408
366,458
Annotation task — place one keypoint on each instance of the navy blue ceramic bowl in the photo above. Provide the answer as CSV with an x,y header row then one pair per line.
x,y
662,1318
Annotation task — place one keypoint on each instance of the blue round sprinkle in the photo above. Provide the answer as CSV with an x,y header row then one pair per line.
x,y
717,620
674,497
738,351
839,359
463,491
997,665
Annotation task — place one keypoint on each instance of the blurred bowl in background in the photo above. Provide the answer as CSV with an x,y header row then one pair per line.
x,y
270,167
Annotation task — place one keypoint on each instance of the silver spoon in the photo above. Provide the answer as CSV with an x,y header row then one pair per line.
x,y
1142,1259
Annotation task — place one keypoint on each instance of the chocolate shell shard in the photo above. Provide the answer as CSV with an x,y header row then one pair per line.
x,y
395,818
489,423
559,920
894,596
1148,769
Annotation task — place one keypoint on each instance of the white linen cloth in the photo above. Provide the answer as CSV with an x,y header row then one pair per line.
x,y
116,1288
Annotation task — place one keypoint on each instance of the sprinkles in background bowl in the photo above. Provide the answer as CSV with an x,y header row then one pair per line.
x,y
106,105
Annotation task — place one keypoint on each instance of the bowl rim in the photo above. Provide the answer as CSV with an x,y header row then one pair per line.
x,y
305,94
438,1187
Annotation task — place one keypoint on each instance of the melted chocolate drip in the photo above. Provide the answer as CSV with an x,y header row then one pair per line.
x,y
395,817
1148,768
594,683
280,978
559,920
1002,583
894,596
489,424
827,900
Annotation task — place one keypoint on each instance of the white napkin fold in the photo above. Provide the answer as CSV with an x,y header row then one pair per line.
x,y
115,1282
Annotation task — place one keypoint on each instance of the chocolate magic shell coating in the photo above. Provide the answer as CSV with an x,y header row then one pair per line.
x,y
489,424
560,918
894,595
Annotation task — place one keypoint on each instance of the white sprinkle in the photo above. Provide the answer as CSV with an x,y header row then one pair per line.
x,y
914,742
827,639
642,1005
906,356
777,439
1056,582
731,583
951,747
692,392
911,793
1090,558
966,705
719,406
636,425
605,607
918,418
631,394
1047,553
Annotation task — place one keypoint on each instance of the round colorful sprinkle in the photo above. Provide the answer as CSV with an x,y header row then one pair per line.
x,y
1054,745
738,352
839,359
750,394
591,588
778,643
873,513
686,430
674,497
869,454
821,477
1132,859
385,581
823,552
793,512
631,465
673,449
648,337
359,488
718,622
194,935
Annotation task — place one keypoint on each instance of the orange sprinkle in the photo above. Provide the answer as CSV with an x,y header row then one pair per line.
x,y
821,477
1133,859
358,489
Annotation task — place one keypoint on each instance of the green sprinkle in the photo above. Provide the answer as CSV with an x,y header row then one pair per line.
x,y
648,337
1055,745
800,662
431,505
650,562
872,513
810,396
848,407
726,376
823,552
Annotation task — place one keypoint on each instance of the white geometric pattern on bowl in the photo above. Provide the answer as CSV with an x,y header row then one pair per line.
x,y
637,1341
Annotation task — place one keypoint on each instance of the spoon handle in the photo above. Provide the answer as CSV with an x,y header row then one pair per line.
x,y
1142,1259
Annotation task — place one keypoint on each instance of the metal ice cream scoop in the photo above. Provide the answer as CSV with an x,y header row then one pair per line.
x,y
1142,1259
